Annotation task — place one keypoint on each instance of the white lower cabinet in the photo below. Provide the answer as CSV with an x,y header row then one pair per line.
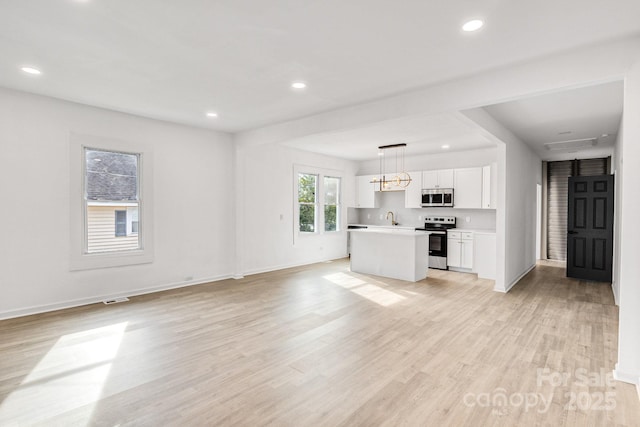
x,y
466,260
454,251
460,249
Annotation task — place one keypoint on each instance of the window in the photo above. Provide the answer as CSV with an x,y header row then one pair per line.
x,y
307,191
318,202
132,220
121,223
112,201
109,175
331,203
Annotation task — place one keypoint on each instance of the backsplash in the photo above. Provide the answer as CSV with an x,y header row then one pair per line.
x,y
479,219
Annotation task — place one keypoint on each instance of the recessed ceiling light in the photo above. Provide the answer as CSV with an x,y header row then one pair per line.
x,y
31,70
472,25
298,85
445,147
212,114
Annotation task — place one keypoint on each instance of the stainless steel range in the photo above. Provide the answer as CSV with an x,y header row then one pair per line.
x,y
438,226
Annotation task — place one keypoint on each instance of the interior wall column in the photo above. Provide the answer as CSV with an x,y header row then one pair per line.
x,y
628,366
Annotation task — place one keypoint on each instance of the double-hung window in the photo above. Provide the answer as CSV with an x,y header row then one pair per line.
x,y
112,199
317,202
111,202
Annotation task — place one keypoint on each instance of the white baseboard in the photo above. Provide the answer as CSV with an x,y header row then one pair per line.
x,y
513,283
284,266
461,270
627,378
92,300
614,289
96,299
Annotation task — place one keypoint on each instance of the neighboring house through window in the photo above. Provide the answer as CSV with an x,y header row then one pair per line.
x,y
112,201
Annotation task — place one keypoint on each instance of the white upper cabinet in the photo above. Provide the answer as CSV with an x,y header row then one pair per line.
x,y
473,188
438,179
365,192
413,192
489,186
430,179
467,191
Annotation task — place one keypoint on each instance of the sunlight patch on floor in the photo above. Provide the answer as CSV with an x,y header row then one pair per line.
x,y
344,280
364,289
71,375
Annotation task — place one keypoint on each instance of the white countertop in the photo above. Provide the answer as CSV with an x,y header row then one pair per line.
x,y
405,227
395,227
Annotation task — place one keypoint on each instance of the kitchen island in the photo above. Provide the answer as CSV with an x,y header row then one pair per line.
x,y
395,253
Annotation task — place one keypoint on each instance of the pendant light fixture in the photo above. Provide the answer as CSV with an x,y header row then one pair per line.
x,y
397,179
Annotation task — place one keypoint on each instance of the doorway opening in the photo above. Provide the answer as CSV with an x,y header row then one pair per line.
x,y
555,204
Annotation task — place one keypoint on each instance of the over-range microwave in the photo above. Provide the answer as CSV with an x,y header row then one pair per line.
x,y
437,197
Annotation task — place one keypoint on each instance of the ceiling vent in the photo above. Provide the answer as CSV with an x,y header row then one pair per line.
x,y
574,144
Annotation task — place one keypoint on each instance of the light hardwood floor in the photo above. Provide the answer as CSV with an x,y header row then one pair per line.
x,y
321,346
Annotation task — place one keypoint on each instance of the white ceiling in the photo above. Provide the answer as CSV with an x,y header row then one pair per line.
x,y
422,134
174,60
589,112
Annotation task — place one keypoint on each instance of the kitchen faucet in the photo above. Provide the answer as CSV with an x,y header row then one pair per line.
x,y
393,221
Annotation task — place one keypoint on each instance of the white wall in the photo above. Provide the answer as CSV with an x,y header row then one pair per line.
x,y
628,366
520,170
193,204
265,206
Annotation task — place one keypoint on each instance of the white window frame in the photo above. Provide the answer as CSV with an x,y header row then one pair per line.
x,y
338,205
321,173
130,220
79,258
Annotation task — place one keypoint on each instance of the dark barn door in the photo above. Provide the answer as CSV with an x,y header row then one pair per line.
x,y
590,228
